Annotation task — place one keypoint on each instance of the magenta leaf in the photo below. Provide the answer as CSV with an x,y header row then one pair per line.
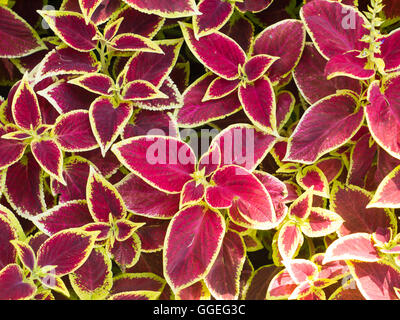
x,y
93,279
7,251
143,199
243,145
350,202
217,52
96,83
25,107
335,28
164,8
48,154
66,60
75,174
108,120
71,214
186,260
196,111
258,101
376,280
24,187
71,28
73,131
349,65
310,77
154,67
66,250
230,261
103,199
164,162
10,150
19,33
383,115
285,40
341,121
13,286
214,14
234,185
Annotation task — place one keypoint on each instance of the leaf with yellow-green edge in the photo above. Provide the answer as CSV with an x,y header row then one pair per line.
x,y
135,295
75,173
143,199
8,253
220,88
321,222
244,145
259,104
251,241
301,207
48,154
65,60
387,194
153,67
351,202
258,282
88,7
186,260
331,167
356,246
67,250
141,90
93,280
361,158
376,280
285,102
71,28
281,286
218,52
148,281
55,283
342,118
14,222
108,119
223,279
127,253
24,189
73,132
165,8
214,14
13,285
66,215
25,107
125,229
16,31
335,28
312,176
25,254
166,163
133,42
196,112
10,150
290,240
382,114
234,186
103,198
148,27
95,82
196,291
191,193
284,39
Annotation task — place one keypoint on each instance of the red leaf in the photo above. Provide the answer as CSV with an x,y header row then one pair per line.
x,y
186,259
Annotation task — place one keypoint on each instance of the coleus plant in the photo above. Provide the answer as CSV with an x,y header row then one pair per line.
x,y
199,150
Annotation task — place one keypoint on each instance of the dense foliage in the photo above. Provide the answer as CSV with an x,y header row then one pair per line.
x,y
212,149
